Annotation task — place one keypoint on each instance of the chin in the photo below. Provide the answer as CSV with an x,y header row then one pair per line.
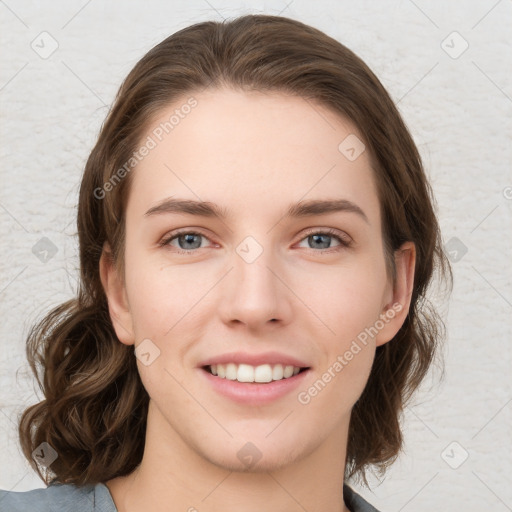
x,y
256,456
262,465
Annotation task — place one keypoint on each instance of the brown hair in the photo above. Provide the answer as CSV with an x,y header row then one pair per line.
x,y
95,406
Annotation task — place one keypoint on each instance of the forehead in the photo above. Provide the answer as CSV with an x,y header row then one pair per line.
x,y
251,152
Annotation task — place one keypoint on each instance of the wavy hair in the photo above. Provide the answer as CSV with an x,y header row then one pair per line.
x,y
95,406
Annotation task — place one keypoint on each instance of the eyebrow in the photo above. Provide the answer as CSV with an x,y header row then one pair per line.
x,y
298,210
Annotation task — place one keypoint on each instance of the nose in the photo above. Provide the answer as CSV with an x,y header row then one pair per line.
x,y
255,293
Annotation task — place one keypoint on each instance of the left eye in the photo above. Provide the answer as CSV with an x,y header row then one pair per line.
x,y
188,241
320,239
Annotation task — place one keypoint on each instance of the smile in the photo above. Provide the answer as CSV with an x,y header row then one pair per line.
x,y
248,373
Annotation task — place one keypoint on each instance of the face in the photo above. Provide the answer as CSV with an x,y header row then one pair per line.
x,y
289,271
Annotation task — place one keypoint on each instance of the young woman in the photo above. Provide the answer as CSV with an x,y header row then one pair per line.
x,y
257,236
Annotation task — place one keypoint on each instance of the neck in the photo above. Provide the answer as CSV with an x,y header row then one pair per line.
x,y
174,477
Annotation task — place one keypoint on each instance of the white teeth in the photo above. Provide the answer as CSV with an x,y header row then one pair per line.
x,y
245,373
263,373
288,371
248,373
277,372
231,371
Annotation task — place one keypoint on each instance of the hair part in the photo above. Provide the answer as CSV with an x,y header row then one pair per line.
x,y
95,407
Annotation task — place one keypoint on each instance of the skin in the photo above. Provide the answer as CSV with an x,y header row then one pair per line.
x,y
253,153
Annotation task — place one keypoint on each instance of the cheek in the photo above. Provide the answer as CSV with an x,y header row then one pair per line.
x,y
346,299
160,295
349,308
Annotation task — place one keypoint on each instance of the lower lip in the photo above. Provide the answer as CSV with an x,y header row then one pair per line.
x,y
254,393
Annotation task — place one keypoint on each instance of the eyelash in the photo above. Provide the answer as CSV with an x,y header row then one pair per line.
x,y
344,243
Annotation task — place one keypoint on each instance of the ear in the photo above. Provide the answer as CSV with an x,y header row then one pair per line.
x,y
115,290
399,294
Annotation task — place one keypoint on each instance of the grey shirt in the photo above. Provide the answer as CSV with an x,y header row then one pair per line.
x,y
97,498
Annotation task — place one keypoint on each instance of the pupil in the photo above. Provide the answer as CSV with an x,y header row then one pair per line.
x,y
325,244
189,239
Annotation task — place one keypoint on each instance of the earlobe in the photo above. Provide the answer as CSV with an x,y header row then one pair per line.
x,y
396,310
115,291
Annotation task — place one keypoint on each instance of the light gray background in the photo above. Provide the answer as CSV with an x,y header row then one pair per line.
x,y
459,112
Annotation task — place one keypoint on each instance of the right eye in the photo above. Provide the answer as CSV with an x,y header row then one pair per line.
x,y
188,241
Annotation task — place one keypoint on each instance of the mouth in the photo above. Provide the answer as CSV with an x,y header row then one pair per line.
x,y
261,374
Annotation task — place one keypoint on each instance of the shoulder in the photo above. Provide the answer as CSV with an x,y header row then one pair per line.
x,y
59,498
355,502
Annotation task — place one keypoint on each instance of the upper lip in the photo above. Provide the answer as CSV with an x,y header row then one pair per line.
x,y
271,358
